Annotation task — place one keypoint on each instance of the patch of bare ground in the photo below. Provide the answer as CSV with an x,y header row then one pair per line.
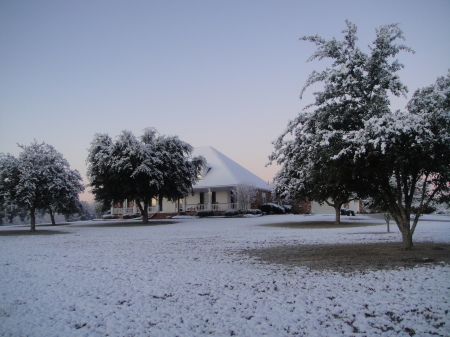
x,y
27,232
348,258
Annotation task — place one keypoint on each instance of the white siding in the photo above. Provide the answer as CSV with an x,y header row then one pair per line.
x,y
326,209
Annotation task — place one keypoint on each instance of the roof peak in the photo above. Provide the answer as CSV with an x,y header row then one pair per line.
x,y
225,171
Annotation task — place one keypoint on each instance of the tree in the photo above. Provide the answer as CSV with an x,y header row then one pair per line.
x,y
39,179
356,87
308,173
404,157
85,212
62,197
153,166
244,195
12,213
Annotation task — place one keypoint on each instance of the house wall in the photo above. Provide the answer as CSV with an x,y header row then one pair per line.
x,y
222,196
316,208
169,206
326,209
262,197
354,205
301,207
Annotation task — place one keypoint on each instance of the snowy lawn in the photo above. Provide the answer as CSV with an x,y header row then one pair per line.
x,y
192,277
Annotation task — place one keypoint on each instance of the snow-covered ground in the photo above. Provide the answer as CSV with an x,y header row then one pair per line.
x,y
191,278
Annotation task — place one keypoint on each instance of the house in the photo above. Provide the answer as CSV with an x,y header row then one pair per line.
x,y
316,208
212,192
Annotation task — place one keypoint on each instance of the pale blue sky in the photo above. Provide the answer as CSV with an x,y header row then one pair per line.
x,y
225,74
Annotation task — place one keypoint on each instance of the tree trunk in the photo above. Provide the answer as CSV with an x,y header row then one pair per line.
x,y
145,216
337,209
143,210
407,241
32,220
52,217
402,219
387,218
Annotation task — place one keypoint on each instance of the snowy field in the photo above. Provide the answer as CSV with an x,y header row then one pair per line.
x,y
191,278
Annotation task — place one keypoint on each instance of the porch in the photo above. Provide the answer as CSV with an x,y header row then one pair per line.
x,y
181,208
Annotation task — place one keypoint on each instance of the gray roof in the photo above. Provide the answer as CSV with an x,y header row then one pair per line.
x,y
221,171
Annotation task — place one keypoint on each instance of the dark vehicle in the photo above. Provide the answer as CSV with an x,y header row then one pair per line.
x,y
130,216
348,212
108,215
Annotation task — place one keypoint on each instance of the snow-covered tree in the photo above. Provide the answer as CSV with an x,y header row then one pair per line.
x,y
404,157
153,166
356,88
63,195
39,179
85,212
244,196
307,171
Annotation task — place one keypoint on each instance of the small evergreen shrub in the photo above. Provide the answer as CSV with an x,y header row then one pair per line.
x,y
205,213
254,211
130,216
231,212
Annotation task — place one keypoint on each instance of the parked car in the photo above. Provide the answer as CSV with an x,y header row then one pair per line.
x,y
108,215
270,208
349,212
130,216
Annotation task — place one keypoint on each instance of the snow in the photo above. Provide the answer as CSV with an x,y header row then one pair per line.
x,y
223,171
191,278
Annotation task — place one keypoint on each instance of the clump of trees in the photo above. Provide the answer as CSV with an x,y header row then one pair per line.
x,y
140,169
39,179
352,145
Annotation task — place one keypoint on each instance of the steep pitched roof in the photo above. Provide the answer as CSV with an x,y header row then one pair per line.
x,y
223,171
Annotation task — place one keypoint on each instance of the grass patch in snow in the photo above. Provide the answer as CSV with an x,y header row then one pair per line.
x,y
23,232
354,257
320,224
124,223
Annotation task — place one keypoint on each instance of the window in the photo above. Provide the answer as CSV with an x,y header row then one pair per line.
x,y
213,197
263,197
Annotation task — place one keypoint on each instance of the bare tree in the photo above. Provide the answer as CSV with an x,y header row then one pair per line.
x,y
244,196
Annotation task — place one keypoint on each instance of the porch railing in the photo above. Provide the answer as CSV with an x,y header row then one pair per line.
x,y
188,208
123,210
212,207
132,210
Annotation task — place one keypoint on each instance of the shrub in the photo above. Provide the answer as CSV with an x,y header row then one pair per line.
x,y
130,216
205,213
287,208
270,208
231,212
254,211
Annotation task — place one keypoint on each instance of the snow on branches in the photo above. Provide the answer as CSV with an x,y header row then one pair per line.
x,y
141,168
40,179
352,143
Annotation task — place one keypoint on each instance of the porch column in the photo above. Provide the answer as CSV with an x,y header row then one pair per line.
x,y
209,199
